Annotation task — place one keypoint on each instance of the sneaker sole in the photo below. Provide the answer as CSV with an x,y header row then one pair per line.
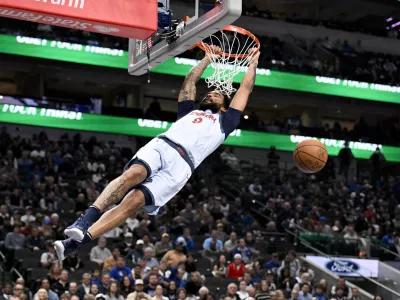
x,y
74,233
59,247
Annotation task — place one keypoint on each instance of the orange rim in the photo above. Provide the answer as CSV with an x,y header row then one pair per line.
x,y
240,30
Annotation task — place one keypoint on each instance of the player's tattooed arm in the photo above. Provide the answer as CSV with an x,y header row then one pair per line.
x,y
241,97
188,90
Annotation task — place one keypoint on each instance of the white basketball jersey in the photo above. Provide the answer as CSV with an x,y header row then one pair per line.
x,y
199,132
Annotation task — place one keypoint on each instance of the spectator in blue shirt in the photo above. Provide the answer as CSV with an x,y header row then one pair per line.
x,y
388,239
218,243
274,264
188,239
244,251
319,293
304,294
120,270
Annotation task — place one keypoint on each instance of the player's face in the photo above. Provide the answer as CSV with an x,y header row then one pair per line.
x,y
213,101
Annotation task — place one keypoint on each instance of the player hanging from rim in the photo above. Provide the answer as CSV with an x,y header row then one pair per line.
x,y
161,168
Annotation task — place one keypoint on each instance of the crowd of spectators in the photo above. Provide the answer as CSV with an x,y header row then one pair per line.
x,y
206,243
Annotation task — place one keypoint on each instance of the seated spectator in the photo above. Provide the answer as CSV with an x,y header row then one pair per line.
x,y
35,242
134,254
294,295
120,270
99,253
305,268
243,294
94,290
127,244
274,264
26,291
111,261
158,295
232,243
232,292
305,294
286,282
139,292
339,294
236,269
163,246
194,285
84,287
28,218
113,292
304,279
269,277
213,239
41,295
73,289
355,294
221,235
126,286
73,262
62,285
342,284
15,240
148,257
47,259
229,159
18,290
319,293
188,239
351,236
255,188
172,291
104,283
292,262
190,264
147,243
176,256
220,269
150,288
244,251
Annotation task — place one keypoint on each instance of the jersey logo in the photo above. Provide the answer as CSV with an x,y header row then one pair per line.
x,y
197,120
202,114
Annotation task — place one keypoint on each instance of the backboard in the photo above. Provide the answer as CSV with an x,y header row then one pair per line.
x,y
204,20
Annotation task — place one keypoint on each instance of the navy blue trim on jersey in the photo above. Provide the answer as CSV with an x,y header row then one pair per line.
x,y
183,153
141,162
185,107
230,120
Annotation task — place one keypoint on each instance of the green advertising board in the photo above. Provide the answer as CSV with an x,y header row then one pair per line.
x,y
149,128
105,57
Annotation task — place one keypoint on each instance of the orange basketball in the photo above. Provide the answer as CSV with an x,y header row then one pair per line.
x,y
310,156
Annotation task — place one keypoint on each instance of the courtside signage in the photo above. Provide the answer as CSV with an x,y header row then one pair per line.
x,y
347,267
106,57
149,128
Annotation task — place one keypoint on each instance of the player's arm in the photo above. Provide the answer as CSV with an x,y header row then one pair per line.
x,y
239,101
188,90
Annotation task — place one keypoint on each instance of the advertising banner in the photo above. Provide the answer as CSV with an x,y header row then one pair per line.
x,y
115,58
127,18
347,267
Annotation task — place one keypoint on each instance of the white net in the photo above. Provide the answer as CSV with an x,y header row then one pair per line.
x,y
237,53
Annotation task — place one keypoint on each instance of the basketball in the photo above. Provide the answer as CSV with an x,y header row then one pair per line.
x,y
310,156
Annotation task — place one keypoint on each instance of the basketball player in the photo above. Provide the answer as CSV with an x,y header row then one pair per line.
x,y
160,169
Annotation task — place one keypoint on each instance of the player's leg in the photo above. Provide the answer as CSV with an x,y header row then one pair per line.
x,y
146,162
112,194
131,203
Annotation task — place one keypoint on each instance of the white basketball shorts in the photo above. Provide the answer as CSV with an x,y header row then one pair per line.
x,y
168,171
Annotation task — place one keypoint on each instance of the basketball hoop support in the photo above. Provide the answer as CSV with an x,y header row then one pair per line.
x,y
197,30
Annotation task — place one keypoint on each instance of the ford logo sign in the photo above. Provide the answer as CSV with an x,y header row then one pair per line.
x,y
344,267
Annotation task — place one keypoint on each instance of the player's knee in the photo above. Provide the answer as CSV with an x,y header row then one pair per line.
x,y
135,174
133,202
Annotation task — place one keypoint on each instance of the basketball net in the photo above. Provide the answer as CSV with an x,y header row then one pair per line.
x,y
237,46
